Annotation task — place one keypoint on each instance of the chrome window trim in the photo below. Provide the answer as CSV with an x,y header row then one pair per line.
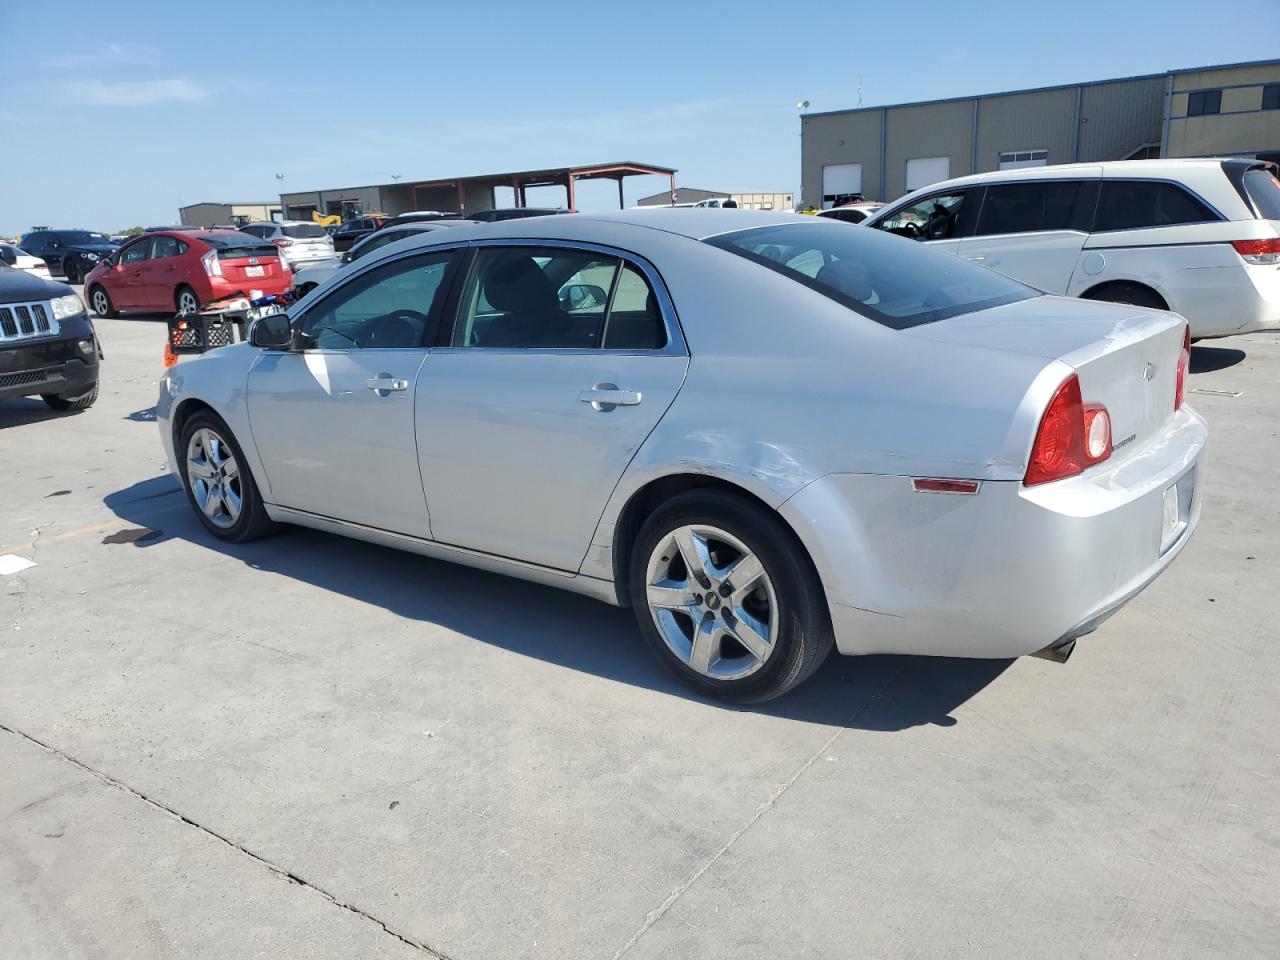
x,y
676,345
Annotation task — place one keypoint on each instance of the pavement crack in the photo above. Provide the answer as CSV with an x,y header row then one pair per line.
x,y
657,913
279,871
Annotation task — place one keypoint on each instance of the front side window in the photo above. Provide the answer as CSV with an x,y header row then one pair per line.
x,y
1135,204
136,252
1034,205
894,283
395,307
933,218
1204,102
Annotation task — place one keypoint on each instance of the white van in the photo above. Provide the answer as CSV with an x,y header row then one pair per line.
x,y
1199,237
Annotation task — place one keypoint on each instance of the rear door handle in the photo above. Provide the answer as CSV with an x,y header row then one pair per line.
x,y
975,259
606,396
384,384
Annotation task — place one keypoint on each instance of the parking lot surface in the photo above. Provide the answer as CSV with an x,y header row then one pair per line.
x,y
313,747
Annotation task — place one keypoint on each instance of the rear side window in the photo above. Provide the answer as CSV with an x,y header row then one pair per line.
x,y
1135,204
1264,191
304,231
893,282
1033,205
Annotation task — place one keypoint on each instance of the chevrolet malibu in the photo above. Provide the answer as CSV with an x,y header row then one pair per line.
x,y
769,437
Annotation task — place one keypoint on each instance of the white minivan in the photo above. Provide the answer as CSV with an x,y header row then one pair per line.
x,y
1199,237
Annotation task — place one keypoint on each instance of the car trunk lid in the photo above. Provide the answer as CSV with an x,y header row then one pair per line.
x,y
250,263
1126,357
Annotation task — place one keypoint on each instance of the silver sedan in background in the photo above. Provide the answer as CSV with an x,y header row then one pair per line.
x,y
769,436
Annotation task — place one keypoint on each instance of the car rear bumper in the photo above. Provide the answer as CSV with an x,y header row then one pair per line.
x,y
1007,571
1222,301
56,366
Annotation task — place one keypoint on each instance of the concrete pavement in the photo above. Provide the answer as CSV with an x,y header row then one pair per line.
x,y
450,763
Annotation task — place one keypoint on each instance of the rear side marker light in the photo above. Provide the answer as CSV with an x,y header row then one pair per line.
x,y
1261,253
931,485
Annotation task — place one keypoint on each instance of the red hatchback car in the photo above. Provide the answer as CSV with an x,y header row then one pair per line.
x,y
160,272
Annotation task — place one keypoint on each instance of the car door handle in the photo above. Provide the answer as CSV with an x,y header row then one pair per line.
x,y
384,383
606,396
975,259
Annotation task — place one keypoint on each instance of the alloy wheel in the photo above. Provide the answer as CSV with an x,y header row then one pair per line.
x,y
712,601
187,302
214,477
100,303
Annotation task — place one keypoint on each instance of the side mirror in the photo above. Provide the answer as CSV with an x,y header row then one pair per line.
x,y
583,296
272,333
346,257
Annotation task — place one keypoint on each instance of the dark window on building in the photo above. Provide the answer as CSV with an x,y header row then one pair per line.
x,y
1035,205
1204,102
1271,96
1134,204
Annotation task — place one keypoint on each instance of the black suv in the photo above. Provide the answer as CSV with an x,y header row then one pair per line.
x,y
47,344
69,253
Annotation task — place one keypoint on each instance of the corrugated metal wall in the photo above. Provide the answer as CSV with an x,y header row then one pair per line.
x,y
1026,121
1117,118
927,130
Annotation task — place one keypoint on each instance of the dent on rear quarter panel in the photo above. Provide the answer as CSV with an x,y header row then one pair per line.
x,y
786,386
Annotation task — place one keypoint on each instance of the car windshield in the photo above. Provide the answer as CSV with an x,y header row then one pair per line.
x,y
893,281
1264,190
303,231
82,236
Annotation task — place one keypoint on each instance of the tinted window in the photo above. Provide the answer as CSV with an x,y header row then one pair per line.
x,y
535,298
377,241
167,247
1033,205
894,283
136,252
1264,190
1134,204
1204,102
34,241
633,321
390,307
939,217
1271,96
304,231
82,236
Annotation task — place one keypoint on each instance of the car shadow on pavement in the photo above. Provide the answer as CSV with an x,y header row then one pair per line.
x,y
1209,359
881,693
20,413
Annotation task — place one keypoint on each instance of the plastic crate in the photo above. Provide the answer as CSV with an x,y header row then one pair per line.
x,y
201,332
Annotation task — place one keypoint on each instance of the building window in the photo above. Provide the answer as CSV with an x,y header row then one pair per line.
x,y
1204,102
1014,159
1271,96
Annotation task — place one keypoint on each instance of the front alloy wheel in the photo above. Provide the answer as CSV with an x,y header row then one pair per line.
x,y
712,602
214,477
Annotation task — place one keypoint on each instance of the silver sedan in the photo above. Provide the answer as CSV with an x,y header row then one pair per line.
x,y
769,437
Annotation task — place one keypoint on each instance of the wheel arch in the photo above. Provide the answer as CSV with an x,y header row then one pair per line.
x,y
650,496
1092,293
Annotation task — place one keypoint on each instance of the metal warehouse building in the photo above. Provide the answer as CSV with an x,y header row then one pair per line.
x,y
884,152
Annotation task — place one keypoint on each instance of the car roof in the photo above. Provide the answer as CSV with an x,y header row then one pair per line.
x,y
1167,169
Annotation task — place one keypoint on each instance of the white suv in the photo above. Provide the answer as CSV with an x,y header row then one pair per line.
x,y
1199,237
301,243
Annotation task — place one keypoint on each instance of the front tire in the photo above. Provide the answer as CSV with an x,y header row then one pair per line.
x,y
72,403
100,301
72,271
727,598
218,483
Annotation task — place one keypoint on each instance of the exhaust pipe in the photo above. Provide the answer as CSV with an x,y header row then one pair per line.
x,y
1058,654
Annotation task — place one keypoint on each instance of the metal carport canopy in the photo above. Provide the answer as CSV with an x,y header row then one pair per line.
x,y
520,180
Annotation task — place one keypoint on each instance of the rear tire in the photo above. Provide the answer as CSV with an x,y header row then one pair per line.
x,y
185,300
744,642
1124,291
218,482
100,301
73,403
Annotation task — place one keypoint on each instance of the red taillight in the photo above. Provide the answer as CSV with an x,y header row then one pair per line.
x,y
1072,436
212,265
1259,252
1184,367
282,242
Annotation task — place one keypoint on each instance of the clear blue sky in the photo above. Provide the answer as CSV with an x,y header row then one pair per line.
x,y
114,113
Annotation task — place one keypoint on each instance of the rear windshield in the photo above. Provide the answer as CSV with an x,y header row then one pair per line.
x,y
1264,190
303,231
894,281
234,246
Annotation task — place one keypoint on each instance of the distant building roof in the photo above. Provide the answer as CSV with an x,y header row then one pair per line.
x,y
683,195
